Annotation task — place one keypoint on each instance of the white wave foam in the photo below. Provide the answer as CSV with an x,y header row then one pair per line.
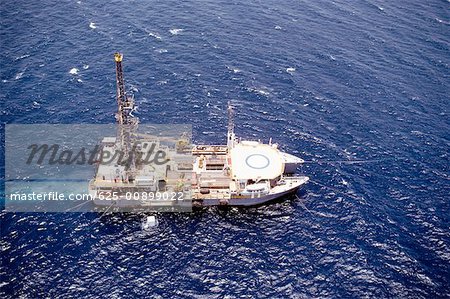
x,y
442,21
290,69
21,57
161,50
278,27
260,91
155,35
18,76
92,25
176,31
235,70
85,66
208,133
74,71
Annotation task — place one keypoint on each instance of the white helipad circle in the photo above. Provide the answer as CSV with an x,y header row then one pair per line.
x,y
257,161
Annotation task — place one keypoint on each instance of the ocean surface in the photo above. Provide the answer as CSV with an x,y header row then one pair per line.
x,y
359,89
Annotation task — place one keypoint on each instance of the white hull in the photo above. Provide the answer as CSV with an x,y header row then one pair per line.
x,y
291,187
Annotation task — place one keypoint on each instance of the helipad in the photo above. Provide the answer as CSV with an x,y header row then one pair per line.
x,y
255,161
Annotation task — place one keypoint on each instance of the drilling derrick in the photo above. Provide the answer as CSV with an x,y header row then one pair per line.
x,y
127,122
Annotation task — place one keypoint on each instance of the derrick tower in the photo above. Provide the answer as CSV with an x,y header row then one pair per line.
x,y
127,122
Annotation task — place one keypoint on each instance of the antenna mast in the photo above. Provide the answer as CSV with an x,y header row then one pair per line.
x,y
231,137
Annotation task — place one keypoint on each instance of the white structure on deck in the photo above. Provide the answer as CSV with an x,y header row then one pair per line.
x,y
255,161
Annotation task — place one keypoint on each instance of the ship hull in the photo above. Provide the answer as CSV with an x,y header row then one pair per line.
x,y
249,201
233,201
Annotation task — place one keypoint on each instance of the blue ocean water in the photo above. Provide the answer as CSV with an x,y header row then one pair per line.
x,y
359,89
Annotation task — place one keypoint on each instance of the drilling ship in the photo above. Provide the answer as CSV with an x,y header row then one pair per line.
x,y
238,173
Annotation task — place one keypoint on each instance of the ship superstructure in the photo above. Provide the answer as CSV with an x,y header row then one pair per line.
x,y
240,173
